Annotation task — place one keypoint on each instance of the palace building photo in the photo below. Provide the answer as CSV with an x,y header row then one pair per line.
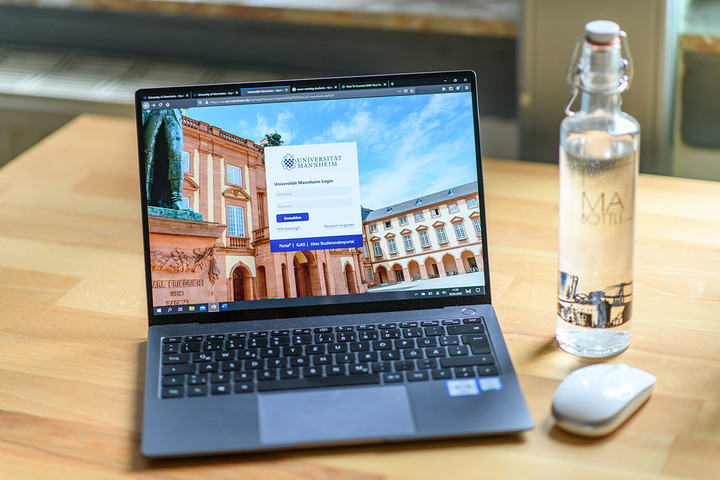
x,y
225,255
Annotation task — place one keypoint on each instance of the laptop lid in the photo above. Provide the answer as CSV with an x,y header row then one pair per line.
x,y
312,197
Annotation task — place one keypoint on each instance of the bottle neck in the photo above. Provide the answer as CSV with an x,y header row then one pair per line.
x,y
594,103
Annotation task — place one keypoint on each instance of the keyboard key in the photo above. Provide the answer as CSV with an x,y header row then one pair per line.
x,y
220,389
171,340
337,348
244,387
219,378
173,392
402,365
458,350
197,391
312,371
466,361
243,376
289,373
367,356
451,322
178,369
175,358
471,320
368,335
405,343
191,347
435,352
266,375
257,342
417,376
464,372
310,382
360,347
171,348
449,341
434,331
202,357
199,379
441,374
357,369
412,332
390,355
427,363
463,329
392,377
335,370
390,334
173,380
208,367
487,370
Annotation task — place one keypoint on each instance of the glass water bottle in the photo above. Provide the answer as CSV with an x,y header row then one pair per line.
x,y
599,151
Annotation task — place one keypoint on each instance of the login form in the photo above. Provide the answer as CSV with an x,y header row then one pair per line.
x,y
313,194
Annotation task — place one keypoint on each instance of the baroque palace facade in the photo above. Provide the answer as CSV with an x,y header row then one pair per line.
x,y
224,180
433,236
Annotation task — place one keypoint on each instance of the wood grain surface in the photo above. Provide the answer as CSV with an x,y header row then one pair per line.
x,y
73,327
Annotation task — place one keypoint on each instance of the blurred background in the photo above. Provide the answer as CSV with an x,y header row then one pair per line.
x,y
62,58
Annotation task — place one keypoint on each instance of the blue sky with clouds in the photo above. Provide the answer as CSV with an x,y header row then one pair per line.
x,y
408,146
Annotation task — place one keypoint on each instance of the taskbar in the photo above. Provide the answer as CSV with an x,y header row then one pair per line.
x,y
244,305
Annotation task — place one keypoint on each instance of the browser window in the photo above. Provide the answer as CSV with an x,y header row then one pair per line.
x,y
304,193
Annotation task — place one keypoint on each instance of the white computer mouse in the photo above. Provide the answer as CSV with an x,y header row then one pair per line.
x,y
593,401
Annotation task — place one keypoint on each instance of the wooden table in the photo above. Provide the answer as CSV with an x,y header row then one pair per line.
x,y
73,325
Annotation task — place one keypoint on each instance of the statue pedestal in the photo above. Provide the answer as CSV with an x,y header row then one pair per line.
x,y
184,268
179,214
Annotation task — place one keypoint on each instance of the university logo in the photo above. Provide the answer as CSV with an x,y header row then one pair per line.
x,y
288,162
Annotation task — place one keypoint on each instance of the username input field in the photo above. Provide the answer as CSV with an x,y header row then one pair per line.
x,y
313,192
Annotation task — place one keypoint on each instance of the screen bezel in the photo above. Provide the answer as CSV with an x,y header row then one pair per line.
x,y
330,306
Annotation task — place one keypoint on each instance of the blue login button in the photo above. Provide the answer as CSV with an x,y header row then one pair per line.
x,y
293,217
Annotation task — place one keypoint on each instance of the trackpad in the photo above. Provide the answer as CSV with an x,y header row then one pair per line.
x,y
334,414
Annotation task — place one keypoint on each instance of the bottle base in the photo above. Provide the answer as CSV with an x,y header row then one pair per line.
x,y
593,343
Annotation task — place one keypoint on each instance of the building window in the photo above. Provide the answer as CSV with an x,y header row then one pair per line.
x,y
407,239
373,228
186,203
476,224
442,238
471,202
365,251
234,175
424,239
453,207
391,245
388,224
435,212
403,220
186,162
419,217
460,231
370,275
236,221
377,249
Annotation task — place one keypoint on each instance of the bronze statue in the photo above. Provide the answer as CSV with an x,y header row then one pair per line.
x,y
163,137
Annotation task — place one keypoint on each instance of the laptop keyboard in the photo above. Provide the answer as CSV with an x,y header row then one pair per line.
x,y
373,354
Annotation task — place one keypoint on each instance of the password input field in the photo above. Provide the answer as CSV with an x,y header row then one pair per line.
x,y
310,204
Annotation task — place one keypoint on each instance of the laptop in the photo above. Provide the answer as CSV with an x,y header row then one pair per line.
x,y
317,266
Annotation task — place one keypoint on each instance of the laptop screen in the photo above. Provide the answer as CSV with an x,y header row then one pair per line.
x,y
344,193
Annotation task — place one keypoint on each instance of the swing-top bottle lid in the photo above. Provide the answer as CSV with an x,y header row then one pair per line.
x,y
602,32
